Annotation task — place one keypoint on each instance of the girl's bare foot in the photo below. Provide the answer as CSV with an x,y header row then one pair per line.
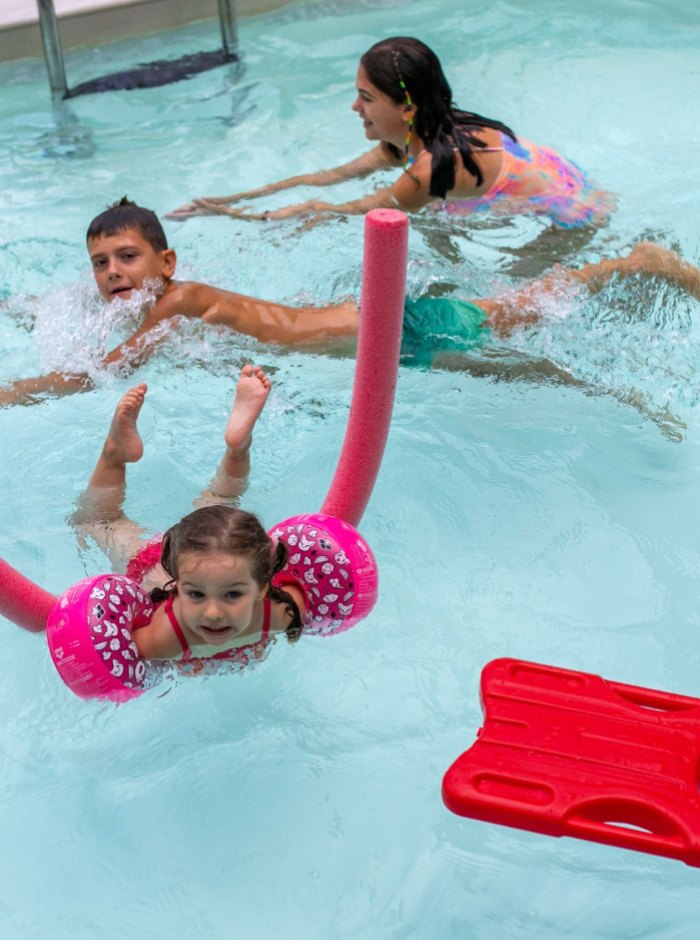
x,y
646,258
123,444
650,258
251,394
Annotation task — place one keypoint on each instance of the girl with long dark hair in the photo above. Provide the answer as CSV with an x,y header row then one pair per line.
x,y
453,160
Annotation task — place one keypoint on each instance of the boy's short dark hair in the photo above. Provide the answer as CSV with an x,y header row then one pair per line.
x,y
126,214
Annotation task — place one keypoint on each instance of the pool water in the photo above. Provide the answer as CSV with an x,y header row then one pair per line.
x,y
540,503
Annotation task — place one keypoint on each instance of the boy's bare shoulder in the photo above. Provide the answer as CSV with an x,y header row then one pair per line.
x,y
186,298
212,304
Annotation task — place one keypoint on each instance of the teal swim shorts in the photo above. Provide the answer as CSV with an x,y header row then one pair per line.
x,y
440,324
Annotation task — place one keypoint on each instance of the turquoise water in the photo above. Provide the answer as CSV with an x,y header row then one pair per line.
x,y
516,514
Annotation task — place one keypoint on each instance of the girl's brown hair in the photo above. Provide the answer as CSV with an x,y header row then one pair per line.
x,y
403,64
233,532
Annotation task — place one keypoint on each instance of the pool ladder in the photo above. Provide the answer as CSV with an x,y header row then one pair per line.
x,y
143,76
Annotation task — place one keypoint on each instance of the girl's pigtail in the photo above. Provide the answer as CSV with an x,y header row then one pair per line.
x,y
166,551
158,595
295,627
279,557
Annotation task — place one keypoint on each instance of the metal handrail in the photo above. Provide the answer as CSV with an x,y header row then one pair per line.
x,y
53,53
51,41
229,28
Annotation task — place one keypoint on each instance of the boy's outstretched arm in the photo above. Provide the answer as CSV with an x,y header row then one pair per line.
x,y
128,355
265,321
269,322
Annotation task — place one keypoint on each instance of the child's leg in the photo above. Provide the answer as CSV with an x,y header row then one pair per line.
x,y
646,258
99,510
524,307
232,476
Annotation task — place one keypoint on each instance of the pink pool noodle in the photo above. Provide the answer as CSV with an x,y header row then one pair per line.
x,y
376,369
22,601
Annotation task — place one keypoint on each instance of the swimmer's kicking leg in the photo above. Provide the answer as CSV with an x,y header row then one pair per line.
x,y
231,478
523,307
99,510
646,258
123,443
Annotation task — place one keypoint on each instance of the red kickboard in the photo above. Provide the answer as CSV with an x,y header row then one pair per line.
x,y
568,753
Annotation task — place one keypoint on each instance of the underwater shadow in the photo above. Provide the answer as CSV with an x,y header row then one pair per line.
x,y
513,366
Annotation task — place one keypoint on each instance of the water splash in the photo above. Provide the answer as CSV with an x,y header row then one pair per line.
x,y
635,340
73,328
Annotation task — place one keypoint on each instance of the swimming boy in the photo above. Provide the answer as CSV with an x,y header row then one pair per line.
x,y
128,249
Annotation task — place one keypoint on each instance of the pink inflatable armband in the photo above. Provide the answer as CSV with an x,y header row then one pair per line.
x,y
334,567
89,632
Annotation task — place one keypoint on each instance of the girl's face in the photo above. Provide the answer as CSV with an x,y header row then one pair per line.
x,y
383,118
218,597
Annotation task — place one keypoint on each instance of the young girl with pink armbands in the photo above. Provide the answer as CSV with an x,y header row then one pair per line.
x,y
216,589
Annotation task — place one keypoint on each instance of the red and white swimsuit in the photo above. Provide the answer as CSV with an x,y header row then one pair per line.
x,y
241,655
138,567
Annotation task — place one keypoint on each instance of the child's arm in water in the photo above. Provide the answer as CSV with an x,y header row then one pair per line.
x,y
157,640
378,158
410,192
128,355
265,321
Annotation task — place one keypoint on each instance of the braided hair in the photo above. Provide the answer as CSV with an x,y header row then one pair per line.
x,y
402,64
236,532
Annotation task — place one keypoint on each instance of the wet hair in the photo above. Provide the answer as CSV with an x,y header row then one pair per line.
x,y
235,532
126,214
438,123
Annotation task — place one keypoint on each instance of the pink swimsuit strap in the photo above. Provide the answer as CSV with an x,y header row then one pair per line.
x,y
177,629
182,639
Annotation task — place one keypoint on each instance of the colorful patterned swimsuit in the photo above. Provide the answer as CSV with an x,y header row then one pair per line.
x,y
538,180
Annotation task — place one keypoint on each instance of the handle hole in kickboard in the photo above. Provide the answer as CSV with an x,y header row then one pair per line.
x,y
629,815
627,825
652,701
